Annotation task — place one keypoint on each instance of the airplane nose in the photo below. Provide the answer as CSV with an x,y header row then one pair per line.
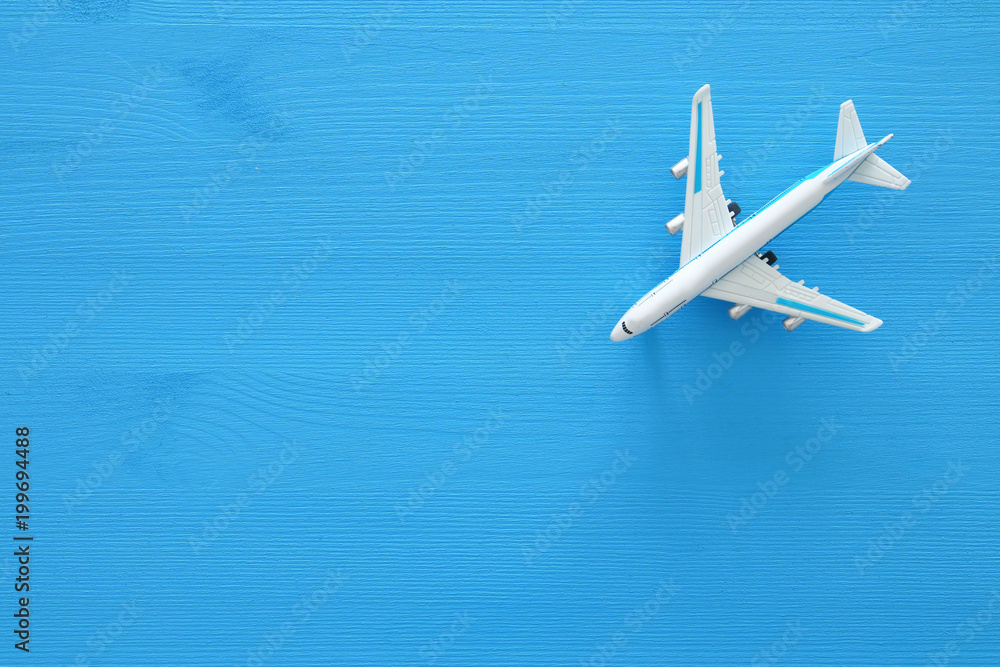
x,y
618,333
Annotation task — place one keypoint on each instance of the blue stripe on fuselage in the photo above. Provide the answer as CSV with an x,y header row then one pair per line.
x,y
697,173
789,189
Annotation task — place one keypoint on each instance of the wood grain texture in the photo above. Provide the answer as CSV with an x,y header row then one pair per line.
x,y
340,279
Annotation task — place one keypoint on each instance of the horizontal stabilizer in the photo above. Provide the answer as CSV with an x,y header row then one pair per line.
x,y
876,171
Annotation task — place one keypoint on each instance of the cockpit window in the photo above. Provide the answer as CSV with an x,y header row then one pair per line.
x,y
625,328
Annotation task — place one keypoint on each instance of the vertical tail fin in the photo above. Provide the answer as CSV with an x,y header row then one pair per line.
x,y
850,137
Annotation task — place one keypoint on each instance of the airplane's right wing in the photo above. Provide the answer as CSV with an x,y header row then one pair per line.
x,y
756,283
706,211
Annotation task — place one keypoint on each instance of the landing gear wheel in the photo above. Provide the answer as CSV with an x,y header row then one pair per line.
x,y
768,257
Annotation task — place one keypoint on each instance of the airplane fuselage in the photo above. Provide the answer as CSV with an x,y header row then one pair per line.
x,y
746,238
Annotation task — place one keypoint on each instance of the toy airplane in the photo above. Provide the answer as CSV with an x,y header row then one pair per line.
x,y
719,257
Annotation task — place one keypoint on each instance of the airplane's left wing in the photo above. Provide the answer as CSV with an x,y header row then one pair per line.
x,y
756,283
706,211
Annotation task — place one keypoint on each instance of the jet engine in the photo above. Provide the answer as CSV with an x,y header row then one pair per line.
x,y
792,323
738,310
679,169
675,225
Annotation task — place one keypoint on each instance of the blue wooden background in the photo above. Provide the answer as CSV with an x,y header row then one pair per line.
x,y
307,307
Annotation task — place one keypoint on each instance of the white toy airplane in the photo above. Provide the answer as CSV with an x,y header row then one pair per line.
x,y
719,257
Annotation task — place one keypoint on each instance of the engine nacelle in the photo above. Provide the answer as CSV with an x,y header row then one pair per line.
x,y
738,310
792,323
676,224
680,169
